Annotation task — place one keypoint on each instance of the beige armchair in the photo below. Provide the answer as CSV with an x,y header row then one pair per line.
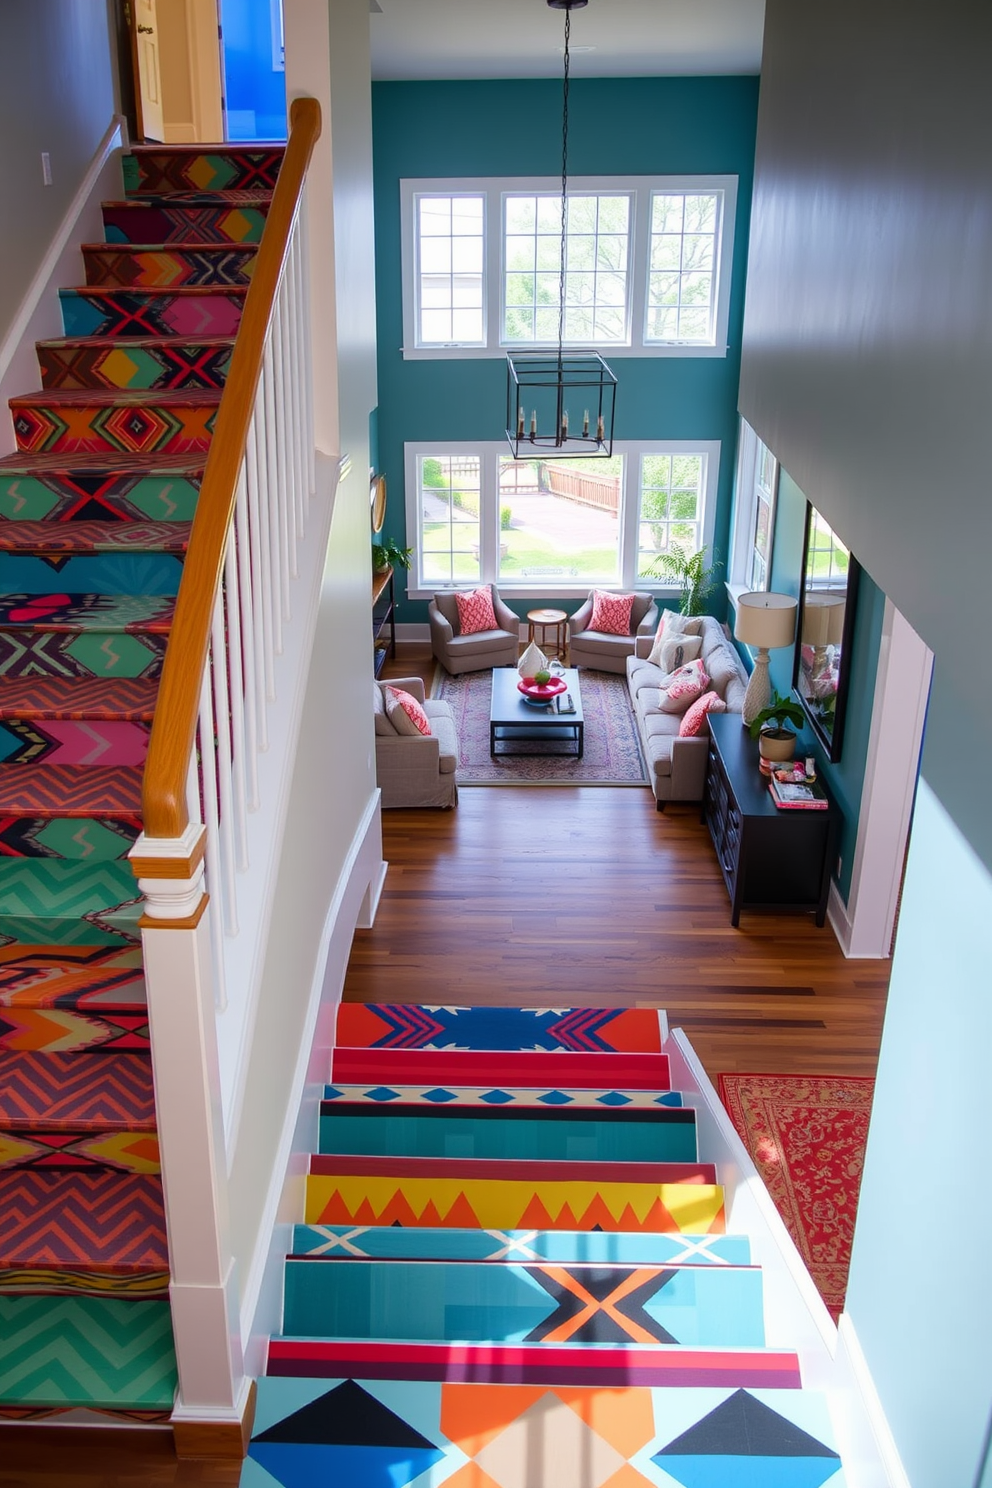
x,y
470,653
608,653
415,770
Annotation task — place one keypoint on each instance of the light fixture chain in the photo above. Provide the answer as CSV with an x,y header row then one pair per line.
x,y
564,193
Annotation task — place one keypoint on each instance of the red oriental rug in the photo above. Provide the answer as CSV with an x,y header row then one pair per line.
x,y
806,1135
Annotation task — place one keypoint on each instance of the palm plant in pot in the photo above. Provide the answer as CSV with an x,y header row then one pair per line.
x,y
776,739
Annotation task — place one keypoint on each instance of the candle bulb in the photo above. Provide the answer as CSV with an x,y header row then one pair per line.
x,y
585,424
564,423
600,429
533,424
520,423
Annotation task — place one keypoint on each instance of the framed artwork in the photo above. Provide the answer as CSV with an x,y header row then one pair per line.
x,y
827,604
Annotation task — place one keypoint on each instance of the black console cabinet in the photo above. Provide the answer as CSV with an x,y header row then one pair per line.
x,y
770,859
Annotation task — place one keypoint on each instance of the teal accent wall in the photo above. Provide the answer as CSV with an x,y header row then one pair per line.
x,y
617,126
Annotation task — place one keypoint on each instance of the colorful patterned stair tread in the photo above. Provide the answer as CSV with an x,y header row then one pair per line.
x,y
559,1247
94,1351
197,311
518,1133
512,1170
476,1302
499,1097
80,1092
99,1221
79,788
233,217
199,168
416,1026
103,699
73,613
530,1068
92,979
125,1152
48,901
493,1203
86,421
369,1433
64,1030
94,537
168,266
101,487
143,362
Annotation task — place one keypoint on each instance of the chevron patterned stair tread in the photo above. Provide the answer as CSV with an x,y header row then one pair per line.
x,y
122,699
373,1242
84,978
94,537
456,1067
87,612
167,265
146,362
118,398
619,1367
127,313
78,1092
498,1097
435,1302
417,1026
100,1220
69,790
86,1351
54,889
98,464
152,168
92,1151
215,220
59,1030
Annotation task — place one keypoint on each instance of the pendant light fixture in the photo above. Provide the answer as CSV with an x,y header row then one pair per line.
x,y
560,405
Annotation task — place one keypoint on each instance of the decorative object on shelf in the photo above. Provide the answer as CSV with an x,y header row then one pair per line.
x,y
766,621
560,405
826,630
776,740
690,572
390,554
377,501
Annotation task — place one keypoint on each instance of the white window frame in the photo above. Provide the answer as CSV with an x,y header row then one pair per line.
x,y
749,450
640,188
490,452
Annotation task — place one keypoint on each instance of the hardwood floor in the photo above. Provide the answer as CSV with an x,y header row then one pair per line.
x,y
558,896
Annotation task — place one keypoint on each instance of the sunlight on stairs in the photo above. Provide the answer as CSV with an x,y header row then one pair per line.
x,y
95,514
523,1284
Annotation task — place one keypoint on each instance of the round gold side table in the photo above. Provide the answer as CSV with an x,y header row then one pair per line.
x,y
543,621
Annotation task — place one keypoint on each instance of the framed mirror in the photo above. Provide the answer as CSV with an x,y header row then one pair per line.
x,y
827,603
377,501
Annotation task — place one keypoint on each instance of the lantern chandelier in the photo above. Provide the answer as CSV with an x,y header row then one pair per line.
x,y
560,405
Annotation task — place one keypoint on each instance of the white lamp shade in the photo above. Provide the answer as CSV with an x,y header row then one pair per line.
x,y
823,619
767,620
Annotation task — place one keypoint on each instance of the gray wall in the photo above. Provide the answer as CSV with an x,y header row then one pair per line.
x,y
867,361
867,368
56,94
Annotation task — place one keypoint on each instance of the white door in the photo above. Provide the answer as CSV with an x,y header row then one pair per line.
x,y
149,69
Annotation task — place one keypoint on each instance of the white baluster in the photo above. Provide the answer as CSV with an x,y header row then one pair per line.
x,y
251,647
260,644
311,453
296,382
236,681
279,493
288,487
214,874
270,494
268,567
222,725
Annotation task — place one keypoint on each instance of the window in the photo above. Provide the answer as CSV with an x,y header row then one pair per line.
x,y
475,514
757,484
647,265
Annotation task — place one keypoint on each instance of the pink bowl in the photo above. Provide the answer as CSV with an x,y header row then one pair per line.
x,y
542,691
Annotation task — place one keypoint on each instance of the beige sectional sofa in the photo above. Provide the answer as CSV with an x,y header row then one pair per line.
x,y
676,766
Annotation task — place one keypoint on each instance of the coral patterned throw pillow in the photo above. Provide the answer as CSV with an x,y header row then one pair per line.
x,y
692,721
685,686
407,716
611,613
475,611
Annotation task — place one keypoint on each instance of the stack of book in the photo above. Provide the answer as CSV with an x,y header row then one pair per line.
x,y
801,795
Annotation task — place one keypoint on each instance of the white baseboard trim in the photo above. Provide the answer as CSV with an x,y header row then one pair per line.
x,y
840,921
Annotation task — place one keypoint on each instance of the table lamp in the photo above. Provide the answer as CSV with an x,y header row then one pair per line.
x,y
823,626
765,621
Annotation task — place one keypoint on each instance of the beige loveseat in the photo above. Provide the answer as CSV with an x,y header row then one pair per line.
x,y
415,770
676,766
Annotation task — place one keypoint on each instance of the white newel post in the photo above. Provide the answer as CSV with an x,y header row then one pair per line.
x,y
178,957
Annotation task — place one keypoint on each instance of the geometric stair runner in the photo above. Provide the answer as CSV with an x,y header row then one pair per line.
x,y
524,1284
96,506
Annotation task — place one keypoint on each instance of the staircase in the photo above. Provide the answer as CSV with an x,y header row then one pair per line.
x,y
523,1284
95,513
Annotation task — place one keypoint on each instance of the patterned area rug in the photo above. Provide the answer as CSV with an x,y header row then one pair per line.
x,y
806,1135
612,752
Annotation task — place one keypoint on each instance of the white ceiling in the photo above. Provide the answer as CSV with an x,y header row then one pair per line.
x,y
523,38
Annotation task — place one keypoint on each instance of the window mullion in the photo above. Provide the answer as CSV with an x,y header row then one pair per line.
x,y
495,265
630,511
638,257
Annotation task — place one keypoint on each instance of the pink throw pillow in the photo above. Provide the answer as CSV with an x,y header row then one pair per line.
x,y
611,613
475,611
684,687
692,721
398,702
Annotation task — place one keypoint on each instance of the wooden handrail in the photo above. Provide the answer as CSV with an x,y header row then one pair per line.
x,y
174,728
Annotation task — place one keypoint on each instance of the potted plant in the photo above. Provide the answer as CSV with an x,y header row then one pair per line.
x,y
390,554
776,739
690,572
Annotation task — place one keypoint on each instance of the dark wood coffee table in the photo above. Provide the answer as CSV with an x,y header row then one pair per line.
x,y
512,720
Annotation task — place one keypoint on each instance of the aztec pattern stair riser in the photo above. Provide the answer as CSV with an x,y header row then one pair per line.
x,y
94,980
237,217
529,1068
149,312
131,423
413,1026
61,1030
141,363
56,743
113,571
587,1136
93,488
168,268
434,1302
181,168
559,1247
370,1433
86,1351
498,1097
